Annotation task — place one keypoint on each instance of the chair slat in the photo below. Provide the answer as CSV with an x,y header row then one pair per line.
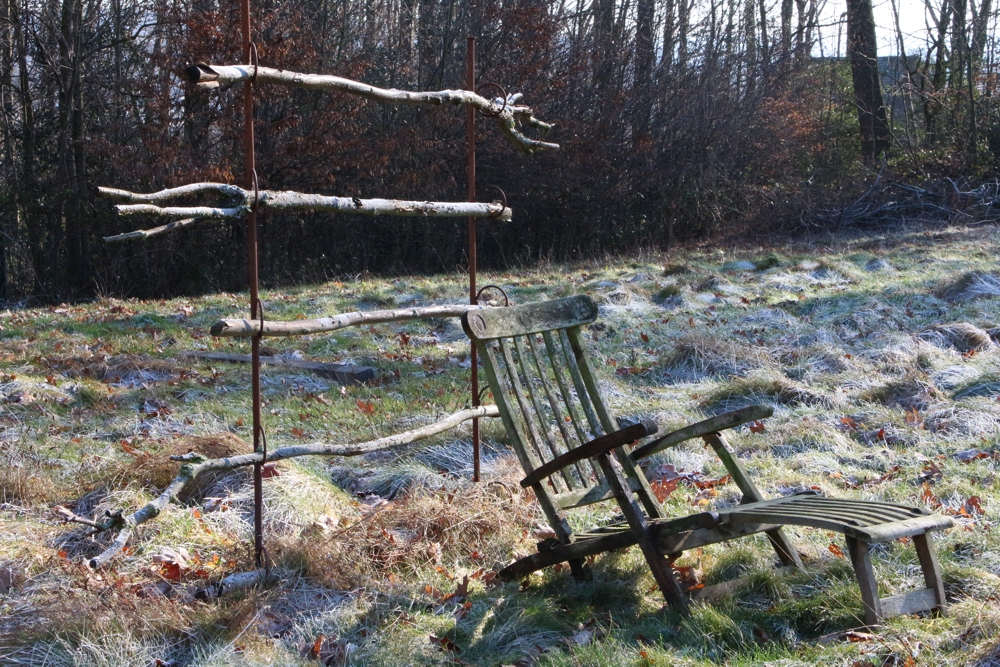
x,y
539,414
557,370
529,460
557,414
518,389
581,387
646,495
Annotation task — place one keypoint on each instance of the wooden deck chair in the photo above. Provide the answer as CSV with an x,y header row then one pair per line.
x,y
574,453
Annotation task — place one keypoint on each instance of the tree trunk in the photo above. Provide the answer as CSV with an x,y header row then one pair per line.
x,y
861,48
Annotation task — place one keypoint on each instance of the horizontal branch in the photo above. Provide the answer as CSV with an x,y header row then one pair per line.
x,y
239,202
194,464
506,112
251,328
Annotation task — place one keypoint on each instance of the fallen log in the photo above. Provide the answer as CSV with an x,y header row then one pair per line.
x,y
251,328
346,374
194,464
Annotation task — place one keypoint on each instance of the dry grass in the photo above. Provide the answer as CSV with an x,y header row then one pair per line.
x,y
969,286
880,368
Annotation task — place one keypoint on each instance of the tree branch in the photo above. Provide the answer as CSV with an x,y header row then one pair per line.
x,y
239,201
194,464
506,112
251,328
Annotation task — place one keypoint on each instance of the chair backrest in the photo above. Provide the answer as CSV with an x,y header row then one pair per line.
x,y
548,396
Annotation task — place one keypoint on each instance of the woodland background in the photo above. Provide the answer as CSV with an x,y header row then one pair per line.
x,y
677,119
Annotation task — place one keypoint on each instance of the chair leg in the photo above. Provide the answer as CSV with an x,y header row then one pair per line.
x,y
658,564
865,573
932,571
784,548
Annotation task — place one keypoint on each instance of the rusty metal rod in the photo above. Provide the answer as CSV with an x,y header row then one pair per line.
x,y
249,55
470,142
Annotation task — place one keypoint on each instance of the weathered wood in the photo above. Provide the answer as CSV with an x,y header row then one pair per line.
x,y
591,449
563,553
251,328
346,374
506,113
704,427
522,448
676,543
194,464
534,438
610,424
581,389
591,471
239,202
932,571
913,602
865,573
530,318
893,531
568,442
782,545
538,414
861,522
658,565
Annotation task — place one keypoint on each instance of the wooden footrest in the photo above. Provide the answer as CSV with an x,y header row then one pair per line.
x,y
866,520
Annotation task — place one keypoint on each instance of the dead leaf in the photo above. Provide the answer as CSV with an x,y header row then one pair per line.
x,y
835,550
974,506
445,643
970,455
662,488
757,426
849,423
366,407
461,592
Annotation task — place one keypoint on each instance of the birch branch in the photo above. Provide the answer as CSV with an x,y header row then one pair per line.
x,y
506,112
251,328
238,203
194,464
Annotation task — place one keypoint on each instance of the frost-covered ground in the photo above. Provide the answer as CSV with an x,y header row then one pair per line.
x,y
879,354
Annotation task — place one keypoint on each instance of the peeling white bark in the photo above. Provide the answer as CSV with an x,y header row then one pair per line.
x,y
251,328
506,112
194,464
239,202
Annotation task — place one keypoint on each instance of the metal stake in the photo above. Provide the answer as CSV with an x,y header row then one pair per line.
x,y
249,56
470,143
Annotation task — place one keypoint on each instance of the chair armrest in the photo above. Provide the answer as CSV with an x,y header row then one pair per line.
x,y
711,425
590,449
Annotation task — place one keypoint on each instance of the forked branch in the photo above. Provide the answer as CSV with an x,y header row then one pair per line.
x,y
506,112
194,464
237,202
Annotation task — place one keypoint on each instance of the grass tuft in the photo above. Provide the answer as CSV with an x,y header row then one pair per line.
x,y
969,286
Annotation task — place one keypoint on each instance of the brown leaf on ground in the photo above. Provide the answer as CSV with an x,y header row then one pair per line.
x,y
445,644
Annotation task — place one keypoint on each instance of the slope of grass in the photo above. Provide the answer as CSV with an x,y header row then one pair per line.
x,y
874,352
